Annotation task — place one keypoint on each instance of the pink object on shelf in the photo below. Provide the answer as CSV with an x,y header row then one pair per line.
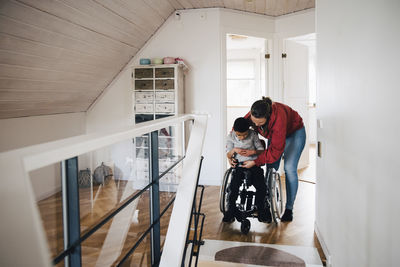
x,y
169,60
181,62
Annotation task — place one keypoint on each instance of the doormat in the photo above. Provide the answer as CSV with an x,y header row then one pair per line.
x,y
260,256
256,254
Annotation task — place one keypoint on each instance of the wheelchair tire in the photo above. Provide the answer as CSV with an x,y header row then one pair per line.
x,y
245,226
223,199
267,179
275,195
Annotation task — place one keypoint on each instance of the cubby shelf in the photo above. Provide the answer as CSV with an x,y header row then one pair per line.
x,y
158,92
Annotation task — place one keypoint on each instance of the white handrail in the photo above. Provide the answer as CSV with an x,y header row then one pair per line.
x,y
22,238
176,235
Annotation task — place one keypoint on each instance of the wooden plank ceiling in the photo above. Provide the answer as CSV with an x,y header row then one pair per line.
x,y
57,56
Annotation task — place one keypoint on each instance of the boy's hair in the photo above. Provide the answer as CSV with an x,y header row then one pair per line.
x,y
241,125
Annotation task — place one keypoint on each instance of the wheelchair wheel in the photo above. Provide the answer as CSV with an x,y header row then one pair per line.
x,y
275,194
223,199
245,226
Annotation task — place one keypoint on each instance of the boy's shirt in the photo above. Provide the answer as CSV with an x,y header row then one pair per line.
x,y
250,142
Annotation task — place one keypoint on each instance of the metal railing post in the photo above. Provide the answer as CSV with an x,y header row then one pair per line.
x,y
195,214
71,214
154,200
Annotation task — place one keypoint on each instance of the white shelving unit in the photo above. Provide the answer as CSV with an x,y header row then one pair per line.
x,y
158,92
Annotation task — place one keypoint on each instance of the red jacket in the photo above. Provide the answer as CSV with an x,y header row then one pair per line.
x,y
283,122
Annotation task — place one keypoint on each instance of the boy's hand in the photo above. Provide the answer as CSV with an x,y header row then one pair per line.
x,y
247,152
248,164
232,162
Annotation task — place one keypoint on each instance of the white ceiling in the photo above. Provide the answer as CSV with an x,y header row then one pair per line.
x,y
57,56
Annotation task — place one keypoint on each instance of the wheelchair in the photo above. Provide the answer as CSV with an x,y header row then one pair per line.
x,y
246,198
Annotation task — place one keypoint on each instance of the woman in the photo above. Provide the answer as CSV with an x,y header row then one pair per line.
x,y
284,129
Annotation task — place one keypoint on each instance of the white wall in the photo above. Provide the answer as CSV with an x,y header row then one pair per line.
x,y
199,38
295,24
243,23
26,131
358,98
113,109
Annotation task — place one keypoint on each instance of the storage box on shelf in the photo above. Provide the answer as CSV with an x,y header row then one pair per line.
x,y
158,93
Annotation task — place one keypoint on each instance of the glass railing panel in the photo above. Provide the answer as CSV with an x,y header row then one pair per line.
x,y
173,175
164,221
171,141
46,184
171,150
114,239
106,177
141,173
141,257
60,264
168,184
109,245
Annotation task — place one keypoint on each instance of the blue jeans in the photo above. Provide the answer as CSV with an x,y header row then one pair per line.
x,y
293,148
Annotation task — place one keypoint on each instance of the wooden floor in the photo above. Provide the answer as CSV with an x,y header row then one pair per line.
x,y
299,232
115,238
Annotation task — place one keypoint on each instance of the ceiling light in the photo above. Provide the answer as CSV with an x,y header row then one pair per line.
x,y
237,37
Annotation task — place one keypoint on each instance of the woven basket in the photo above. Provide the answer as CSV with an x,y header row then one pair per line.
x,y
84,178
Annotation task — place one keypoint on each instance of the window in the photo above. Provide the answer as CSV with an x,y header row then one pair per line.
x,y
241,82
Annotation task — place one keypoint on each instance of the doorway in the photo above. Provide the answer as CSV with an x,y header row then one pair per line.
x,y
246,74
299,92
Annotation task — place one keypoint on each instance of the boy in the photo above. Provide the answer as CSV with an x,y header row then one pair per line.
x,y
240,142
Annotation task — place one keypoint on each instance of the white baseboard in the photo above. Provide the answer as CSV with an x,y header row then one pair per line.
x,y
323,246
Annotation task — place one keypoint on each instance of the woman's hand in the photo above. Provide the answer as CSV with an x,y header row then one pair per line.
x,y
246,152
248,164
237,150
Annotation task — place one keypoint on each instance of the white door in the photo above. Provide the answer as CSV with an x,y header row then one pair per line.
x,y
295,86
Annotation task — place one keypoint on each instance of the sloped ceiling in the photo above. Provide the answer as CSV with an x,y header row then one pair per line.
x,y
57,56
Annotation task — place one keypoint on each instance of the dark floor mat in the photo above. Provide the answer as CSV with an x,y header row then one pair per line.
x,y
259,255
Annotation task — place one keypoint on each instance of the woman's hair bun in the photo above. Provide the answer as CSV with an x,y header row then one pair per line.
x,y
267,100
262,108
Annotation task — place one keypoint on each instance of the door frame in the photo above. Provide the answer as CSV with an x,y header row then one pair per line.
x,y
269,37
